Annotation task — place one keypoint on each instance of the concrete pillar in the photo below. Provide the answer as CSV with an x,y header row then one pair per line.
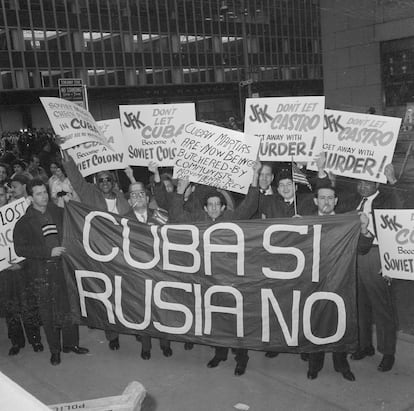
x,y
17,39
22,79
177,75
219,75
142,76
217,44
128,42
175,43
78,43
130,77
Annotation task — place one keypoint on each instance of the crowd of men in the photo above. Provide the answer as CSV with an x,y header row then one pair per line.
x,y
34,291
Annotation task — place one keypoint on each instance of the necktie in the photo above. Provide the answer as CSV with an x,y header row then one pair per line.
x,y
361,207
262,191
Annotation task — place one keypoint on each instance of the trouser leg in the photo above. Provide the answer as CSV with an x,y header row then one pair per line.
x,y
52,333
221,353
340,361
241,356
70,335
146,343
316,361
165,344
111,335
15,329
381,298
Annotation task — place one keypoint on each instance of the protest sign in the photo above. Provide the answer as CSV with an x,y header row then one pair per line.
x,y
9,215
72,122
152,131
288,127
276,284
93,157
216,156
395,232
359,145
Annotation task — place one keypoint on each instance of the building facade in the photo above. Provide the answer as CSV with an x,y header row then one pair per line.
x,y
368,55
212,52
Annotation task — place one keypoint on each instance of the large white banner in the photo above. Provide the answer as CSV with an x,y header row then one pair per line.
x,y
288,127
395,232
93,157
216,156
9,215
359,145
72,122
153,131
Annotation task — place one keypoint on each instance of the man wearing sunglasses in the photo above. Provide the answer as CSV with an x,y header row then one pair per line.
x,y
139,200
102,197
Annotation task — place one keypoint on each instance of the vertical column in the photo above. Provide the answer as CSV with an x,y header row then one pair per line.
x,y
22,79
17,39
78,42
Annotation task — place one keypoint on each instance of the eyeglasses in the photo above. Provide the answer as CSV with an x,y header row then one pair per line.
x,y
105,180
136,194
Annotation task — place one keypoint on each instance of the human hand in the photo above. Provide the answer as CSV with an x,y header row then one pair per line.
x,y
389,172
58,251
182,185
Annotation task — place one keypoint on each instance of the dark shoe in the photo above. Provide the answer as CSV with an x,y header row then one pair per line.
x,y
240,369
386,363
271,354
214,362
188,346
76,349
114,344
348,375
37,347
312,375
304,356
55,358
366,352
167,352
14,350
145,355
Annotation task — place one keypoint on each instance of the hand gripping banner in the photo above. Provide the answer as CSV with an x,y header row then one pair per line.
x,y
277,284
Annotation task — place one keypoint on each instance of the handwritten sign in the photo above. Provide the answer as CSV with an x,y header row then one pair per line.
x,y
93,157
359,145
216,156
395,232
9,215
288,127
71,121
153,131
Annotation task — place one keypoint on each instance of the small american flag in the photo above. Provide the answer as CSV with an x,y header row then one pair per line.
x,y
299,177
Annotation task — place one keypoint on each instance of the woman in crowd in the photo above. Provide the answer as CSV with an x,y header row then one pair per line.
x,y
61,189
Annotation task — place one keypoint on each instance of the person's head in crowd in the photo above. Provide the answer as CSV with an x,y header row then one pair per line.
x,y
214,204
18,186
325,199
37,193
285,185
138,197
34,161
168,183
53,167
3,173
266,176
19,166
367,188
46,146
106,183
3,195
60,172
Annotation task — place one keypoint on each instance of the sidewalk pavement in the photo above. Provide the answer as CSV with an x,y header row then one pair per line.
x,y
184,383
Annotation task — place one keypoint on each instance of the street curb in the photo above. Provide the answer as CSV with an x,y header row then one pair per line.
x,y
405,337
